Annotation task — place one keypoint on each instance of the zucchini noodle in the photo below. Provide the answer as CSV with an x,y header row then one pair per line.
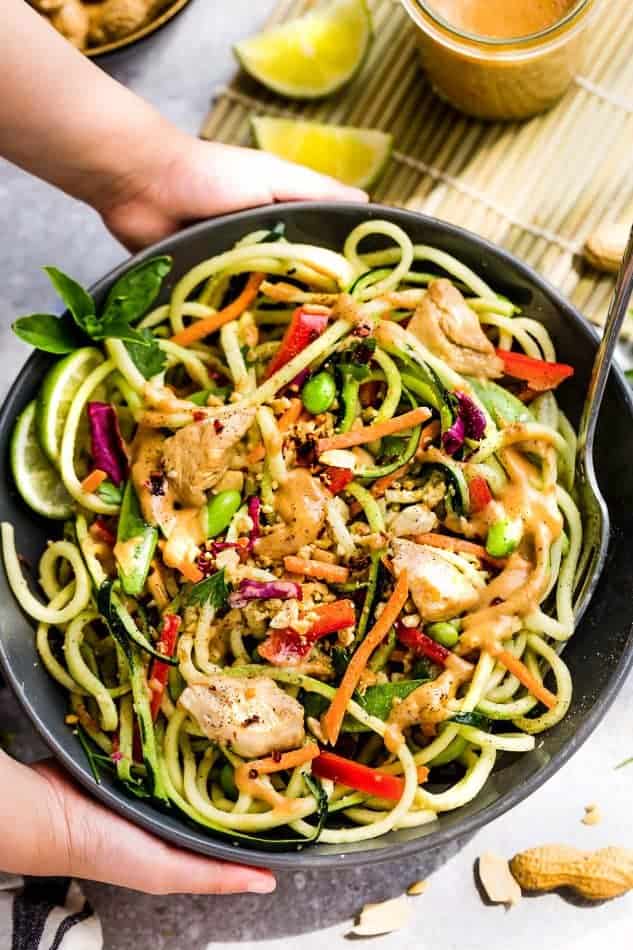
x,y
274,577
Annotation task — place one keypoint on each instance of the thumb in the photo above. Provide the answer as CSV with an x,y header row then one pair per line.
x,y
212,179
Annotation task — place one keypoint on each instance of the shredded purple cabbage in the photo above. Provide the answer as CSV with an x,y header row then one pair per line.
x,y
264,590
473,417
470,423
108,450
254,512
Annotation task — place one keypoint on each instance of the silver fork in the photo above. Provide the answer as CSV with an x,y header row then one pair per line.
x,y
593,506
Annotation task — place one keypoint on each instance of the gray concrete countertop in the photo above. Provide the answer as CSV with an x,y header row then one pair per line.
x,y
178,73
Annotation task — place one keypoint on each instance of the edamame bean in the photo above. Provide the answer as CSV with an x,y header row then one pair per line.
x,y
220,511
503,537
444,633
318,393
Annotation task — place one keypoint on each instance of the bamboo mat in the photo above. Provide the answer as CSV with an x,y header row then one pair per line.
x,y
537,188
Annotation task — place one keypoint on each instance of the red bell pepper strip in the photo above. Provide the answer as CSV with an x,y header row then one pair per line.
x,y
288,648
336,480
480,494
538,374
100,530
305,327
417,641
361,777
160,671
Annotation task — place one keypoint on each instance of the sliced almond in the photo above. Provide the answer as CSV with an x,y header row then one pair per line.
x,y
383,918
592,816
496,879
417,888
604,249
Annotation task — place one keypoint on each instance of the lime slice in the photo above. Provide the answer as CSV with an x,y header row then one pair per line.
x,y
354,156
36,479
311,56
58,390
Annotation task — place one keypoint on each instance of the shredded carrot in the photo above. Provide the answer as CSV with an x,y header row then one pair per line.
x,y
520,670
423,774
276,763
190,572
201,328
346,440
334,573
381,485
459,544
427,435
333,718
285,421
92,481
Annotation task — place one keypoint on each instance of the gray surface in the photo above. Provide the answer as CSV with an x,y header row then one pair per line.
x,y
178,73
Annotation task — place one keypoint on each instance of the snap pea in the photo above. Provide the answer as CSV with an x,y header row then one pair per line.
x,y
503,537
136,544
319,393
220,511
445,633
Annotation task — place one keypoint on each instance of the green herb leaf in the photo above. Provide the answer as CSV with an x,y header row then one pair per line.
x,y
117,330
110,493
148,357
86,745
133,294
78,301
213,591
474,719
47,332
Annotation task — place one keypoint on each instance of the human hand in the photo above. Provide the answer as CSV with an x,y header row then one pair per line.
x,y
201,179
49,827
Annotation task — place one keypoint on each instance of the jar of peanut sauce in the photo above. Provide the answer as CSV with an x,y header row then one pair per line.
x,y
493,65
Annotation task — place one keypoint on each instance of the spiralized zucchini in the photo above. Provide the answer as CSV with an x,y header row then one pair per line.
x,y
311,501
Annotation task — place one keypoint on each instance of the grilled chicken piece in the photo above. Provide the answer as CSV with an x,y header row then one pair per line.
x,y
254,716
197,456
439,589
451,330
301,503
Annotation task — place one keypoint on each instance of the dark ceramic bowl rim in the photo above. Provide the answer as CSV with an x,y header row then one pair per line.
x,y
217,847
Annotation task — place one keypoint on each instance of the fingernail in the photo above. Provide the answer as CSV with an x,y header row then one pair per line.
x,y
262,885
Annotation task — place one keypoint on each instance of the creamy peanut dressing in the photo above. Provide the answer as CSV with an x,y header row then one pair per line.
x,y
428,705
185,537
502,19
300,503
521,585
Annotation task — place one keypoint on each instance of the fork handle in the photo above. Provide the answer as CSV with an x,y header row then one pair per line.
x,y
604,356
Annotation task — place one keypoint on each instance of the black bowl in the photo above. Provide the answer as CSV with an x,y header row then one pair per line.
x,y
599,655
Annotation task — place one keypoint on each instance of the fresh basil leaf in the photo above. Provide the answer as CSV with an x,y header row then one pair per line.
x,y
133,294
110,493
78,301
213,591
378,700
116,330
47,332
147,356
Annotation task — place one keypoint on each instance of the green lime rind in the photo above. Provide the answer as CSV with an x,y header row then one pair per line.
x,y
312,56
56,394
36,479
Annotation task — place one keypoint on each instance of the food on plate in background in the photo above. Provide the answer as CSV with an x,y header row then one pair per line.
x,y
87,24
501,60
311,56
355,156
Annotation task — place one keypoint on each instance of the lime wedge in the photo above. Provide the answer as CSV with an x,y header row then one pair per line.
x,y
311,56
354,156
36,479
58,390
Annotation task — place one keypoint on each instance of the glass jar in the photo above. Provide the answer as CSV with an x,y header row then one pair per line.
x,y
494,78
